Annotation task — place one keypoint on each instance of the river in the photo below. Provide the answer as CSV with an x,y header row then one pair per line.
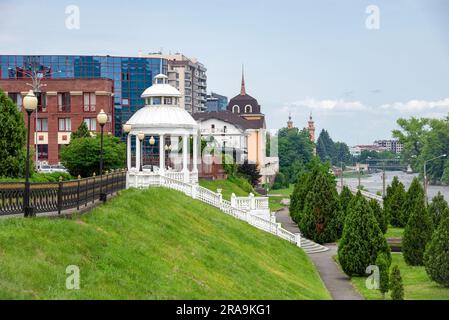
x,y
373,183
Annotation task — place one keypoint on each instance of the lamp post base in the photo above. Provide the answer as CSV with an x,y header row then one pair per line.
x,y
103,197
29,211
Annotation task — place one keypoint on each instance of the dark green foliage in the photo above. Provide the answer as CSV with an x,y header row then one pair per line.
x,y
325,147
415,194
82,155
346,197
379,213
396,286
280,181
298,196
81,132
394,203
250,172
319,219
417,233
436,257
437,208
383,263
295,150
12,139
362,239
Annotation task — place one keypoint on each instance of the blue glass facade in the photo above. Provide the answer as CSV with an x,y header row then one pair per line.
x,y
131,75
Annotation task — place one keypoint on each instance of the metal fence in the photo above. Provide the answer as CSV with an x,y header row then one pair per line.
x,y
59,196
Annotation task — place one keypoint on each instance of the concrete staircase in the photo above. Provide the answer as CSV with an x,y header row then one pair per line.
x,y
311,247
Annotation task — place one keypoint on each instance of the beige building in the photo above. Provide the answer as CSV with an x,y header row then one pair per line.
x,y
187,75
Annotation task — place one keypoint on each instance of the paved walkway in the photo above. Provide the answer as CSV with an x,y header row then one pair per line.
x,y
336,281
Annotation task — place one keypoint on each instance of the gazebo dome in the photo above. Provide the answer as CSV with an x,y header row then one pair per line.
x,y
162,113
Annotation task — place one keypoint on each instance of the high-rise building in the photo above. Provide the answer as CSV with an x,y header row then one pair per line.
x,y
391,145
216,102
74,89
187,75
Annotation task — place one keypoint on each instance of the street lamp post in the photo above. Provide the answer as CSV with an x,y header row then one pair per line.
x,y
425,175
167,150
30,104
152,142
127,130
141,136
102,118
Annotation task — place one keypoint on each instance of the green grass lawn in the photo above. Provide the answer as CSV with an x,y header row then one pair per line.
x,y
275,203
239,186
393,232
285,192
152,244
275,200
417,284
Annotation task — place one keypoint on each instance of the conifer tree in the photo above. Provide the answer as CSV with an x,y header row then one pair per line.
x,y
436,257
319,219
437,208
396,286
362,239
298,196
417,233
383,263
81,132
414,194
12,139
346,197
379,213
395,206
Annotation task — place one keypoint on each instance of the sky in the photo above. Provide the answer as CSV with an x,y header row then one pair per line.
x,y
356,70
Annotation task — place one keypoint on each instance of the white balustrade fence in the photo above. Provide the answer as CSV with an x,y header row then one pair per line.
x,y
242,208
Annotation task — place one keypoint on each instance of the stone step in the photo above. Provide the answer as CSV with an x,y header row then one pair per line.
x,y
311,247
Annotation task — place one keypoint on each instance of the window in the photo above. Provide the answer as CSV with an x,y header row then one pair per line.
x,y
212,127
42,151
16,98
90,101
248,109
167,100
236,109
41,101
64,102
42,124
65,124
91,123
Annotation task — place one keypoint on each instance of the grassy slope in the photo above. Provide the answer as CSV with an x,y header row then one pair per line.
x,y
417,284
152,244
227,186
393,232
275,200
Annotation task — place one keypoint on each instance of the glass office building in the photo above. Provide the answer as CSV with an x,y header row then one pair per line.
x,y
131,75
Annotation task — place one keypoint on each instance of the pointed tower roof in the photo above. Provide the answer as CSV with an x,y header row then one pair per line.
x,y
242,87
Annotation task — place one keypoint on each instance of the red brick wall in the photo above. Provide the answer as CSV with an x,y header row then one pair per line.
x,y
76,114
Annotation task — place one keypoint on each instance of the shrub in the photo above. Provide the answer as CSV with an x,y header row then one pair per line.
x,y
346,197
383,263
280,181
395,205
81,132
437,208
417,234
436,257
82,155
379,213
250,172
298,196
414,194
396,286
362,239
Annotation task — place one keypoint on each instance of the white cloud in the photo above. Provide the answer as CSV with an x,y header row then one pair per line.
x,y
329,105
413,106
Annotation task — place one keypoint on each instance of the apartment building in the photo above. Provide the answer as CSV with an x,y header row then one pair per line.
x,y
391,145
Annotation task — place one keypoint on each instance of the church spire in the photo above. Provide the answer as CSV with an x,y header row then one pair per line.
x,y
242,88
289,122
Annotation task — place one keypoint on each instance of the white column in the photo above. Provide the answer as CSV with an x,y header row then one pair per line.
x,y
128,148
185,169
195,153
137,153
161,154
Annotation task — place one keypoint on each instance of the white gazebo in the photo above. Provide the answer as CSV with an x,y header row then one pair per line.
x,y
163,117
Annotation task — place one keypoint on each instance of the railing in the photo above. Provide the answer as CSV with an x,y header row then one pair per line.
x,y
239,207
59,196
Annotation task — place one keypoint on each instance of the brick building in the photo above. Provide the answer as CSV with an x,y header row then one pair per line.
x,y
63,105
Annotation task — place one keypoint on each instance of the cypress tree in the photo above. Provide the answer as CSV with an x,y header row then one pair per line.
x,y
396,286
437,208
81,132
12,139
414,194
320,214
298,196
395,206
417,233
383,263
391,190
346,197
436,257
362,239
379,213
